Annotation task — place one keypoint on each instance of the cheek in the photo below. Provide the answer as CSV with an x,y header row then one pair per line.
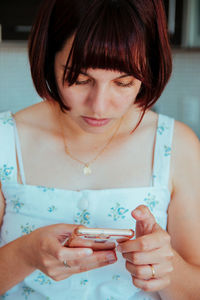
x,y
71,98
124,100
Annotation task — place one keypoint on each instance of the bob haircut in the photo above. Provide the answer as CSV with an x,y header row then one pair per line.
x,y
129,36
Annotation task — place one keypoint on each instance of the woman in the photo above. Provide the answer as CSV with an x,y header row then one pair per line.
x,y
93,153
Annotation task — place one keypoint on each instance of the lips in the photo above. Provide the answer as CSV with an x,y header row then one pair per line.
x,y
96,122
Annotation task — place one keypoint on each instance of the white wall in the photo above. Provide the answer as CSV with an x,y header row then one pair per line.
x,y
181,98
16,87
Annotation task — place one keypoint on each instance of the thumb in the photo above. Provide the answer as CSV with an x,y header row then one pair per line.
x,y
145,220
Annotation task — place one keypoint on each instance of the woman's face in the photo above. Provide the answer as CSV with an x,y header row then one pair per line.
x,y
99,97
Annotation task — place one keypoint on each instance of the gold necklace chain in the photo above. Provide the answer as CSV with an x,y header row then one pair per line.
x,y
87,169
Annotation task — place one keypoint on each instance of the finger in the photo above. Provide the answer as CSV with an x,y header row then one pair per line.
x,y
98,259
146,242
153,284
151,257
74,253
86,243
142,213
145,219
61,231
144,272
65,229
55,249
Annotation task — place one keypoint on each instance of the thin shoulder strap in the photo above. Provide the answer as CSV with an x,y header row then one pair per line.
x,y
19,153
8,164
162,154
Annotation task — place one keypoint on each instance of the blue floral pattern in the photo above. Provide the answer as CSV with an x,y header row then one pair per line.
x,y
27,291
6,172
116,277
6,120
84,282
162,127
4,296
154,177
52,208
167,150
27,229
82,217
151,201
17,205
118,212
43,279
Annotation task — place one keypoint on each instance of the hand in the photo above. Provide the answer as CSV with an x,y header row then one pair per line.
x,y
43,249
150,248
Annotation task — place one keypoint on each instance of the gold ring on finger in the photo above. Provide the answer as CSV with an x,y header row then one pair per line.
x,y
153,276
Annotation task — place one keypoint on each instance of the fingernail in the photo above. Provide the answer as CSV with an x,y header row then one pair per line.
x,y
137,213
112,261
110,257
119,248
88,252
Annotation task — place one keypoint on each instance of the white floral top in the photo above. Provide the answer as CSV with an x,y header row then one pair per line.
x,y
29,207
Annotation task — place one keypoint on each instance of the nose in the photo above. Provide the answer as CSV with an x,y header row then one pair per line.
x,y
99,101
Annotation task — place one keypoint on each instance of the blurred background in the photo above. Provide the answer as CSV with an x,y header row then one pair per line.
x,y
181,98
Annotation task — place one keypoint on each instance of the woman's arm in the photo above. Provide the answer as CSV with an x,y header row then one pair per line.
x,y
184,217
42,249
169,262
12,265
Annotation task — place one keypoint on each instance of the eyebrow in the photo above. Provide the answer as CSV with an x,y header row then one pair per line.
x,y
86,74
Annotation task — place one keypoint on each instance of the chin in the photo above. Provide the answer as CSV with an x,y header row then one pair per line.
x,y
94,129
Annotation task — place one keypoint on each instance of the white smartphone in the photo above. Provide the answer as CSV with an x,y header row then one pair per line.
x,y
98,238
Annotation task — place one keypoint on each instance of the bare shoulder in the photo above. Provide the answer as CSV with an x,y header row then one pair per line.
x,y
34,120
30,114
185,149
183,135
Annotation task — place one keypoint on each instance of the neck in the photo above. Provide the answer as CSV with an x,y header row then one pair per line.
x,y
74,133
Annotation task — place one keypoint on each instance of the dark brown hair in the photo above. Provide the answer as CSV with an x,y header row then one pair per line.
x,y
125,35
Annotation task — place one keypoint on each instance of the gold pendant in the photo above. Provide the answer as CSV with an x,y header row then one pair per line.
x,y
87,170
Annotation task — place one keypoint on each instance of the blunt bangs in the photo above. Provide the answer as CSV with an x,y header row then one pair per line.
x,y
108,38
129,36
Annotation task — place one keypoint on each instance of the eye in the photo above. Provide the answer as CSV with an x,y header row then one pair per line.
x,y
82,82
123,84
